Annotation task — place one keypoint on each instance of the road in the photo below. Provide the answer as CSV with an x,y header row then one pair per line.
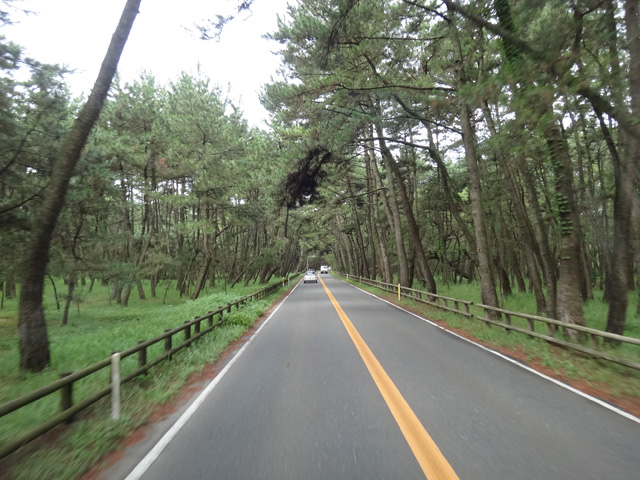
x,y
359,389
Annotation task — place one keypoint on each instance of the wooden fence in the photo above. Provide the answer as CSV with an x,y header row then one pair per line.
x,y
462,307
190,330
595,335
439,301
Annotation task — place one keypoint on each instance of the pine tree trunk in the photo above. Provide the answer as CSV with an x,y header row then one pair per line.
x,y
569,308
487,282
371,197
500,256
364,267
202,278
154,284
517,271
352,253
32,328
414,233
124,296
55,292
67,305
528,240
625,191
10,289
140,289
540,231
445,183
444,175
395,221
385,263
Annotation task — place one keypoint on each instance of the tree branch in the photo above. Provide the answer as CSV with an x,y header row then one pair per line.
x,y
557,70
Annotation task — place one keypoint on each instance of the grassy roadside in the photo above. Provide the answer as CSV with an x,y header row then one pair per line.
x,y
609,381
93,332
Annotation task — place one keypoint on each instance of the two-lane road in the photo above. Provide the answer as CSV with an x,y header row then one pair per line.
x,y
358,389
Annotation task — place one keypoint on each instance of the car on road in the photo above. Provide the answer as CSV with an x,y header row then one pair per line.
x,y
310,277
324,269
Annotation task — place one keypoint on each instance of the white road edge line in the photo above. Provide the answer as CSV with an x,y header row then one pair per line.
x,y
155,452
515,362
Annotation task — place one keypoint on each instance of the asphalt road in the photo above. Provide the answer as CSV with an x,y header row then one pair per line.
x,y
300,403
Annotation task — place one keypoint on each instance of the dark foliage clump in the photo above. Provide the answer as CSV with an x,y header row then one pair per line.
x,y
301,185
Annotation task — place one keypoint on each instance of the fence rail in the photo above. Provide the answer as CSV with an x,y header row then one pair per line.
x,y
443,303
65,384
439,301
594,334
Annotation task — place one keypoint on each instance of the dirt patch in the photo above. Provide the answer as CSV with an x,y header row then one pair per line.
x,y
194,384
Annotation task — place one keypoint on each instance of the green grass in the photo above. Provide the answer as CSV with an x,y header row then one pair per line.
x,y
612,378
99,328
595,314
595,311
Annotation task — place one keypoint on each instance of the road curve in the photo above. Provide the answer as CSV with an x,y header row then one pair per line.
x,y
300,403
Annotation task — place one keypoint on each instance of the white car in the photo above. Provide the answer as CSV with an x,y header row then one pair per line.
x,y
324,269
310,277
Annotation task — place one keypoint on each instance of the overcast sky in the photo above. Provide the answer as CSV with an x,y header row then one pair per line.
x,y
76,33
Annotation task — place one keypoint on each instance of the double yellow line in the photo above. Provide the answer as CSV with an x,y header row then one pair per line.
x,y
427,453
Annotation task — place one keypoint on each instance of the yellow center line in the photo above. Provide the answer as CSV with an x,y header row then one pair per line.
x,y
427,453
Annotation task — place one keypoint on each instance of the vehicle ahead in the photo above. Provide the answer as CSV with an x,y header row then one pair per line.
x,y
310,277
324,269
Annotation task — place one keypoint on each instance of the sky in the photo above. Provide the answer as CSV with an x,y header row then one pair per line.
x,y
76,33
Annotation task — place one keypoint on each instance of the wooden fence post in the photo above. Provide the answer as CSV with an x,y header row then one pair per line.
x,y
66,396
196,328
167,343
187,333
142,355
115,386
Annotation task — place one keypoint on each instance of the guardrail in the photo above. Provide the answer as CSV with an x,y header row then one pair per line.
x,y
65,385
443,302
